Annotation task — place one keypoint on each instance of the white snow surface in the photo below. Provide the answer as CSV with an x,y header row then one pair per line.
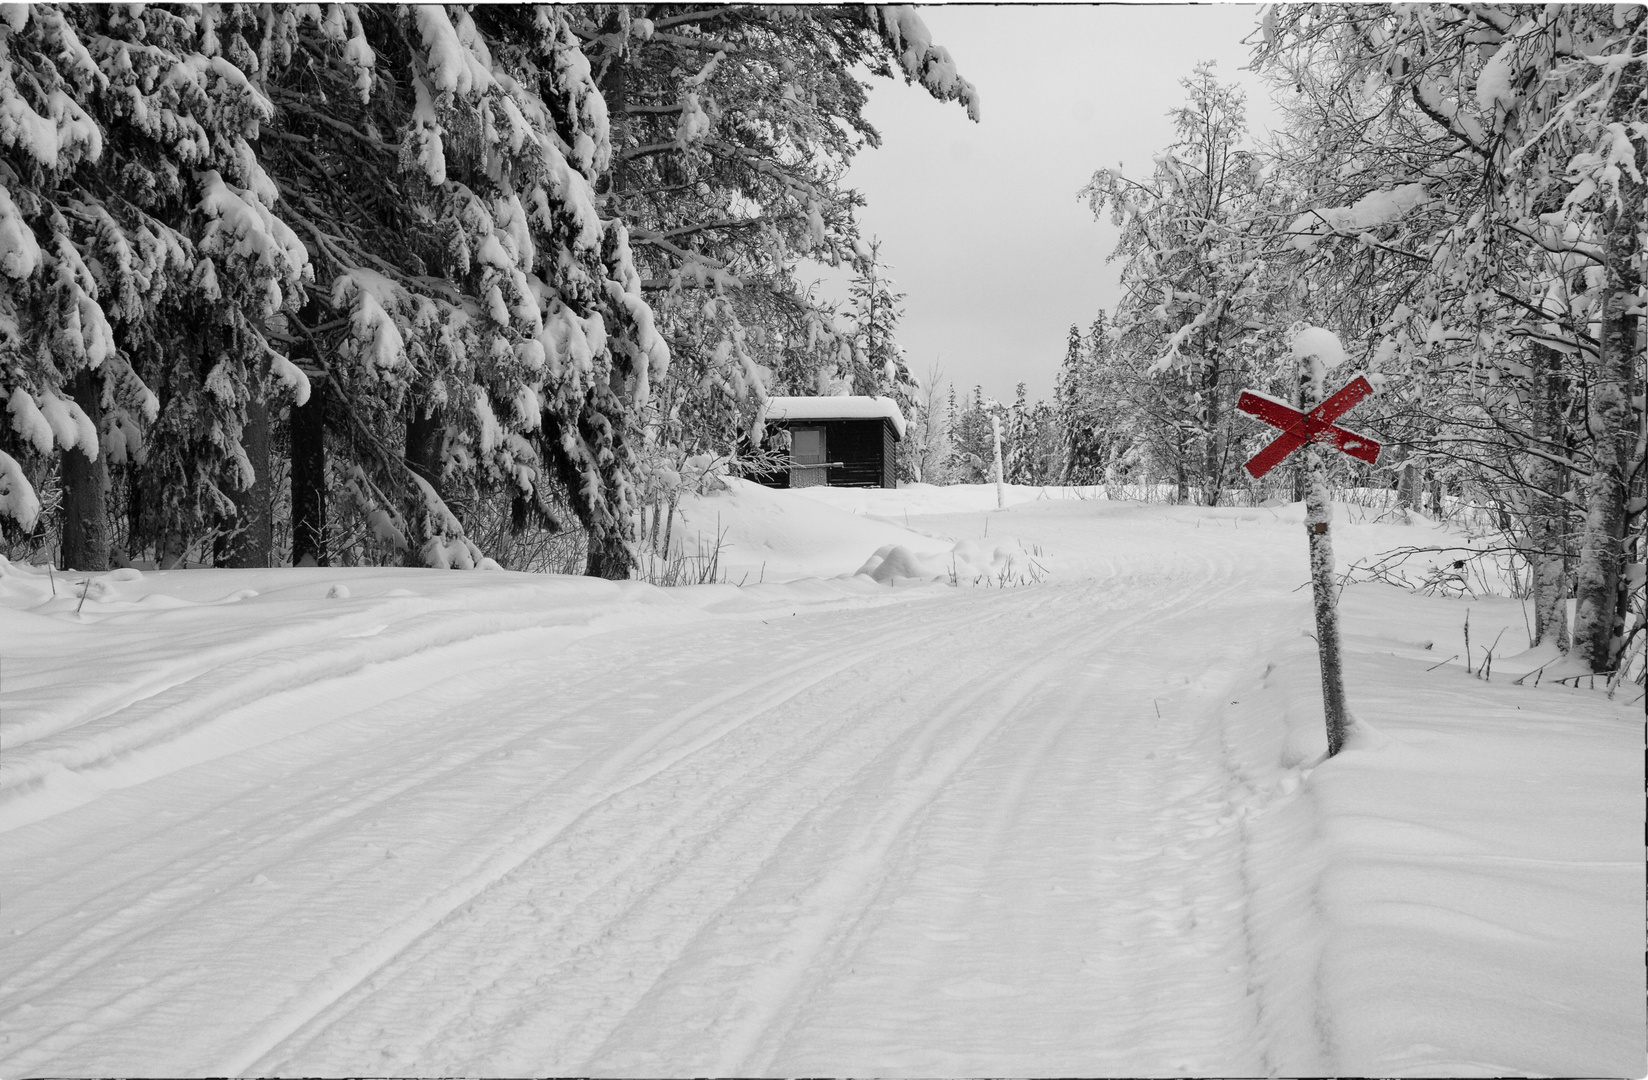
x,y
406,822
837,407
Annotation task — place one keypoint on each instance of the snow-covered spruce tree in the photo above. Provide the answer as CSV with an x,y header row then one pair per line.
x,y
878,367
972,441
161,263
1533,147
732,131
54,333
1094,413
483,328
1191,238
1019,441
1079,462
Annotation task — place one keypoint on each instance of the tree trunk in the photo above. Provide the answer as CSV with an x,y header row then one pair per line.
x,y
85,481
425,450
1435,506
613,83
1213,449
608,557
252,544
1548,512
1410,484
308,425
1599,577
1324,594
425,445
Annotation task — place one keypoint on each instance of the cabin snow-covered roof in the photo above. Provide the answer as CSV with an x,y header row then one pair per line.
x,y
836,408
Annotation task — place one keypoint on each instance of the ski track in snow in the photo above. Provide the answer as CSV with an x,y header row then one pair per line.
x,y
660,910
962,832
834,805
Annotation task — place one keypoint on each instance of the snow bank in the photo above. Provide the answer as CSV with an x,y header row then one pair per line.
x,y
1460,892
920,499
970,562
767,534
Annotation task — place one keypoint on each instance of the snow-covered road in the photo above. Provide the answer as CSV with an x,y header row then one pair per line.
x,y
942,832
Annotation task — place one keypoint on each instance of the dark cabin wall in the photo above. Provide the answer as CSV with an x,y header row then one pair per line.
x,y
864,447
857,445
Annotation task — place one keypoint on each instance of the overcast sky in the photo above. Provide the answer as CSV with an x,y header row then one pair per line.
x,y
981,222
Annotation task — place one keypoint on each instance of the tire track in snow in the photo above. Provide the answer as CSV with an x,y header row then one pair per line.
x,y
192,875
603,785
838,899
957,700
574,987
88,954
44,776
690,836
780,1004
810,956
612,891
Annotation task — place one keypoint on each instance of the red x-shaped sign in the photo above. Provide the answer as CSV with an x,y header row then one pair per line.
x,y
1299,428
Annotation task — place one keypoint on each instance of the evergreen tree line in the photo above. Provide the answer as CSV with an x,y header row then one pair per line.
x,y
423,284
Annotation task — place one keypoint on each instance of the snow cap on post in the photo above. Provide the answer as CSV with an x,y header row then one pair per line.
x,y
1323,344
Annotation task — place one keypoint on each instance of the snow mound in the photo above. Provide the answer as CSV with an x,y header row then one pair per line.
x,y
765,534
88,597
970,562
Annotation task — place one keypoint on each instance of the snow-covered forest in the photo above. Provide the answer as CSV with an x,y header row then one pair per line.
x,y
344,284
355,285
1460,193
1055,739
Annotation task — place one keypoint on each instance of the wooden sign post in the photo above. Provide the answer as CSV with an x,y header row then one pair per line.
x,y
1312,427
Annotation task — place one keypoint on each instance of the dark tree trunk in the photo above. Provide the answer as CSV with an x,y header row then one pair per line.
x,y
308,426
1213,463
608,558
1548,514
613,81
85,481
425,448
1599,575
608,555
425,445
252,543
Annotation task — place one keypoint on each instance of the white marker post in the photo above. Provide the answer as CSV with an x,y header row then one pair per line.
x,y
1312,427
1318,514
995,426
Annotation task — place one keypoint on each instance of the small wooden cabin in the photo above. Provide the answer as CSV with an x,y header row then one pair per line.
x,y
836,441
